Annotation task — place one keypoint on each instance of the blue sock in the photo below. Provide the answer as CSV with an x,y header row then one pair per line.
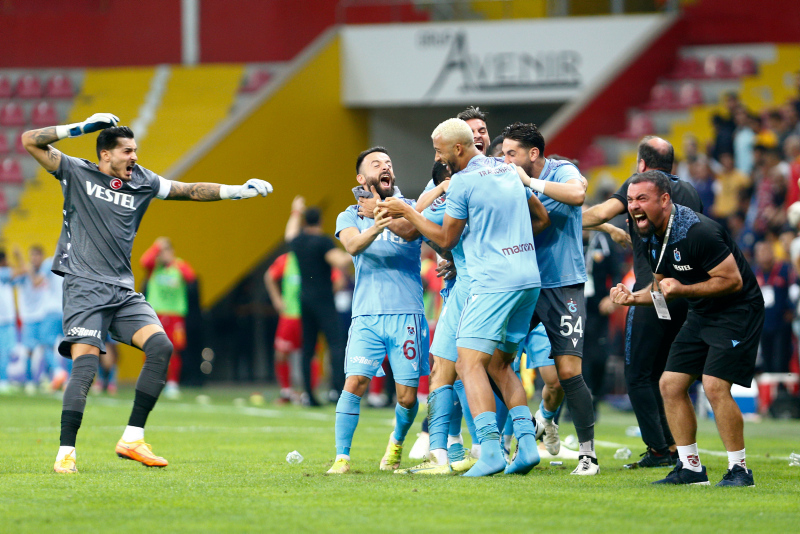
x,y
527,451
547,414
501,410
462,398
347,412
508,429
404,418
521,421
455,416
440,404
491,460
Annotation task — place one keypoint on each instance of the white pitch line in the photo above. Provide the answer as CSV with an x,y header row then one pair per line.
x,y
722,454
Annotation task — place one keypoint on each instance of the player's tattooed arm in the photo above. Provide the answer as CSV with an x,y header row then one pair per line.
x,y
37,143
200,192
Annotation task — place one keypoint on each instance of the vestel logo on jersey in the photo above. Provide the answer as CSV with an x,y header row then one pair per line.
x,y
116,183
115,197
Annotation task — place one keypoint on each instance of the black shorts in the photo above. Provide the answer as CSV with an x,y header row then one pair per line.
x,y
562,311
724,345
93,309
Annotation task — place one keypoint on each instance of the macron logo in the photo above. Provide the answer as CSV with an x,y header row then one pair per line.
x,y
734,342
115,197
516,249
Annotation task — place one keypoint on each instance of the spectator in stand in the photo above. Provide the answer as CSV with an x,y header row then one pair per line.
x,y
703,180
774,278
167,286
796,100
728,187
744,139
766,207
316,254
777,124
743,236
690,153
791,148
791,120
8,321
724,126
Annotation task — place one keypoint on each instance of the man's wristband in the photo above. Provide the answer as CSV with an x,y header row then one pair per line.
x,y
537,185
68,130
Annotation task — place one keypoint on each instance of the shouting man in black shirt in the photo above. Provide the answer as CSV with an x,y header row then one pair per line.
x,y
693,257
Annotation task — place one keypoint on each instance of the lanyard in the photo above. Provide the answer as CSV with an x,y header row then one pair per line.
x,y
666,240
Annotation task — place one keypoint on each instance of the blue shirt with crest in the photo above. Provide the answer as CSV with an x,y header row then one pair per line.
x,y
499,248
388,277
559,247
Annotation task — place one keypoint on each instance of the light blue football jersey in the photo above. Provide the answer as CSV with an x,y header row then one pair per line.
x,y
499,248
435,213
388,277
559,248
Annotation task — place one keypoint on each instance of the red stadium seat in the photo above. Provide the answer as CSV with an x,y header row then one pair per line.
x,y
716,67
662,96
5,146
11,171
690,95
12,114
592,156
639,125
59,86
688,67
16,137
5,86
743,65
256,81
44,114
28,86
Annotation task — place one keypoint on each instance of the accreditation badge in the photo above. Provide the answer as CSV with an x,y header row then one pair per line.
x,y
659,302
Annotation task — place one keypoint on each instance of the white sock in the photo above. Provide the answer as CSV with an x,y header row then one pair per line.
x,y
133,433
476,450
452,440
394,440
439,456
343,457
63,451
690,458
586,448
736,458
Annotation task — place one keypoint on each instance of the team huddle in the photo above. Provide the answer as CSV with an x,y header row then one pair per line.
x,y
510,230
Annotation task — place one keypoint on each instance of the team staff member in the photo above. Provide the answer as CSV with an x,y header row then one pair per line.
x,y
648,338
693,257
103,206
316,253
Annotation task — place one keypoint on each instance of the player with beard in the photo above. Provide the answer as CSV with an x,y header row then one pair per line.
x,y
561,306
103,206
693,257
501,260
648,338
388,313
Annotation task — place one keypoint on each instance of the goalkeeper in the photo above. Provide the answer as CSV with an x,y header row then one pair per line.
x,y
103,206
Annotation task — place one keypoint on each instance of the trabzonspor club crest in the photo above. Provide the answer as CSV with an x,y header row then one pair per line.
x,y
677,254
572,306
411,330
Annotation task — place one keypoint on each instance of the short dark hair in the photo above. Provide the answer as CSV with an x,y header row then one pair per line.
x,y
2,255
497,141
107,139
366,153
653,159
472,112
312,216
657,178
38,248
439,172
527,135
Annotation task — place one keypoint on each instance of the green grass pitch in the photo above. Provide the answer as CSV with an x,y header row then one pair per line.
x,y
228,473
